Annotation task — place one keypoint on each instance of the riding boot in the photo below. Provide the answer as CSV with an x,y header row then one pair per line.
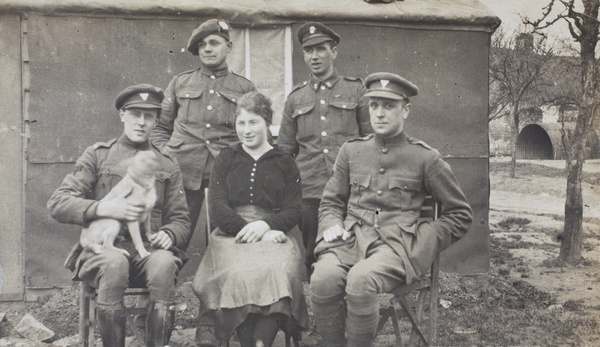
x,y
159,323
111,323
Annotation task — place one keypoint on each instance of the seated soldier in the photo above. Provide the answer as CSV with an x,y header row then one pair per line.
x,y
369,241
80,200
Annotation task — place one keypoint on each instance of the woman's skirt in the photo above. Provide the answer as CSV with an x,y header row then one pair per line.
x,y
236,279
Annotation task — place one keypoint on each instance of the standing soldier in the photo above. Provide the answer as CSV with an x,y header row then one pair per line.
x,y
198,112
319,116
198,120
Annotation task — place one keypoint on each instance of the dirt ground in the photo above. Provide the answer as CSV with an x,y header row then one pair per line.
x,y
526,299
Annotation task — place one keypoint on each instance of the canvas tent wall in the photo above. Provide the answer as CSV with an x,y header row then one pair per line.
x,y
544,141
66,60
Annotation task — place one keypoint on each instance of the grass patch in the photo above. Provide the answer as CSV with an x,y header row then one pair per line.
x,y
512,222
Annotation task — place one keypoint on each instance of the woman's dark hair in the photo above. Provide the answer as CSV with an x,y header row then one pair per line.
x,y
257,103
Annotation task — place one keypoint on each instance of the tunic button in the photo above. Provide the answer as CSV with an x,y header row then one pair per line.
x,y
209,107
384,150
212,77
252,174
324,133
300,112
344,106
316,85
254,164
381,170
207,142
322,87
322,102
208,125
251,194
379,192
323,118
211,91
252,180
187,95
251,187
325,151
253,169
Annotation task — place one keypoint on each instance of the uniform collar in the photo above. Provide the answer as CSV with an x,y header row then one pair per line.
x,y
218,73
391,141
329,82
126,142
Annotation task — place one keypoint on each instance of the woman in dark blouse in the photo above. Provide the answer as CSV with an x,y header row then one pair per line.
x,y
249,279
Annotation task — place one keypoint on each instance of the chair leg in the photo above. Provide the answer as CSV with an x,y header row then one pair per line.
x,y
394,317
84,305
419,315
401,301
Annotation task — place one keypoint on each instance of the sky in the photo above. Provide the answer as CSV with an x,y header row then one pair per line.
x,y
509,11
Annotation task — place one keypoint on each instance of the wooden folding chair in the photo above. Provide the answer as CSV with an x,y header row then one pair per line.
x,y
87,314
399,306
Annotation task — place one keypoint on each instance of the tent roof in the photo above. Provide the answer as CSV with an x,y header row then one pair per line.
x,y
448,14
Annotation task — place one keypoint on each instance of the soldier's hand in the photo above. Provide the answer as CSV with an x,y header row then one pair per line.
x,y
120,208
161,240
252,232
335,233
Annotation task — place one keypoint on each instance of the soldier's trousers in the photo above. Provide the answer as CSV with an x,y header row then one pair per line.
x,y
111,273
344,296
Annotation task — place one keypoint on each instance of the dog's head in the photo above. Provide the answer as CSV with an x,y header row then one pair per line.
x,y
144,164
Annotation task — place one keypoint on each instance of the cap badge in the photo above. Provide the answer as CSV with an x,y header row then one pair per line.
x,y
384,83
312,30
224,26
144,96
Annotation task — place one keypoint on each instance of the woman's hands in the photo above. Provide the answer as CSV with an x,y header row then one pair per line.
x,y
276,236
252,232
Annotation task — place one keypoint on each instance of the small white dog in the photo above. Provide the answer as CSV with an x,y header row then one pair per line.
x,y
138,184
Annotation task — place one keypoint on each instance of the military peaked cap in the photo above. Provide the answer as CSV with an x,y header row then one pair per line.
x,y
313,33
390,86
140,96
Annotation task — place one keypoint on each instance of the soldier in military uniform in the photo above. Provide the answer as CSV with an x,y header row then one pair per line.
x,y
369,240
80,200
197,118
319,116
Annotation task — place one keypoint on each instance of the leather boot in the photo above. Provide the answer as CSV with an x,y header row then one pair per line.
x,y
111,323
159,323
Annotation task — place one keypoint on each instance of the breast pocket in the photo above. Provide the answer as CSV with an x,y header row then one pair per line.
x,y
189,105
108,177
406,188
342,115
227,113
305,119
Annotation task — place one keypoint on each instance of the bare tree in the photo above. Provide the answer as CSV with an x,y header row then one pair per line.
x,y
583,26
517,75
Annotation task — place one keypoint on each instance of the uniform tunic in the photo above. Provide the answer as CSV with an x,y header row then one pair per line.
x,y
198,119
96,172
377,190
235,279
319,116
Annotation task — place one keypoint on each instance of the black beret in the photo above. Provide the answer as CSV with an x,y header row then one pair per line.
x,y
140,96
390,86
313,33
211,26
